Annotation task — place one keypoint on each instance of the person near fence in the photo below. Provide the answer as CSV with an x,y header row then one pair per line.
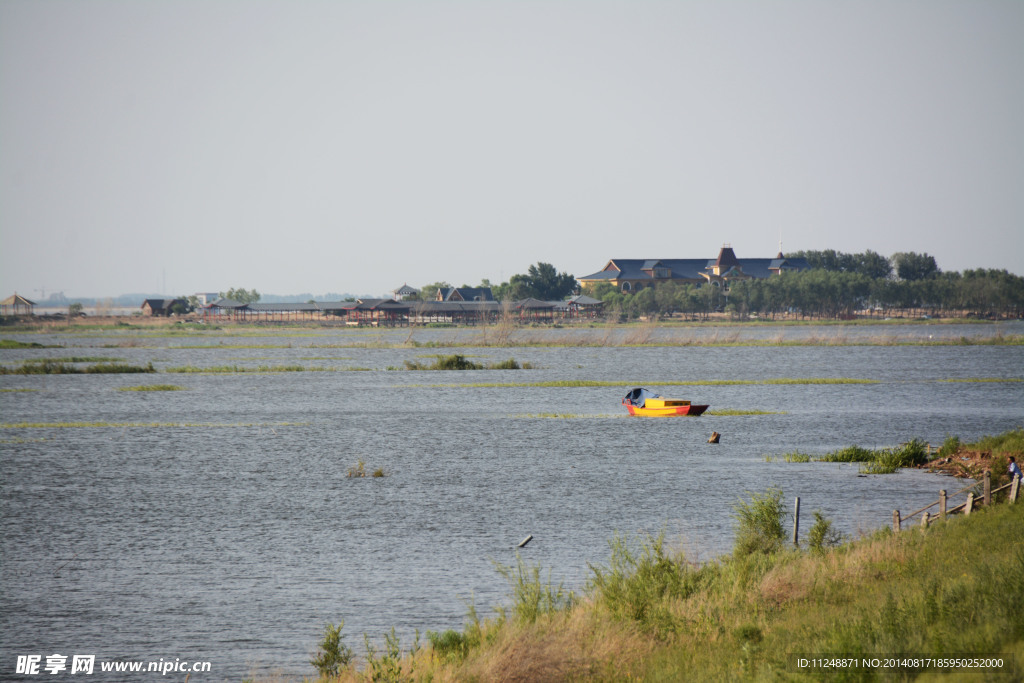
x,y
1014,469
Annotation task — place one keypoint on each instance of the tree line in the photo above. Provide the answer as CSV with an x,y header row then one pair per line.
x,y
838,285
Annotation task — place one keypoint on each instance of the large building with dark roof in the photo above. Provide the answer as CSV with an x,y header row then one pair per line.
x,y
631,275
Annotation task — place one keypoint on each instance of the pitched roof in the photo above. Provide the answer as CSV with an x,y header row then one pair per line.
x,y
17,300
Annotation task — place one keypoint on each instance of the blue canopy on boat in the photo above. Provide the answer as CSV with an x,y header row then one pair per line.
x,y
639,396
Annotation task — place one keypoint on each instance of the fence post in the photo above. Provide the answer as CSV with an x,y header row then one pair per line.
x,y
988,487
942,503
1014,488
970,503
796,523
895,520
924,520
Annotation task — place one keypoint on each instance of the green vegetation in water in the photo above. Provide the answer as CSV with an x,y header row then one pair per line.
x,y
48,367
14,391
728,412
460,362
153,387
795,456
14,344
229,369
358,471
654,614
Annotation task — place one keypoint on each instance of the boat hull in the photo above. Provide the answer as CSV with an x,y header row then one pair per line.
x,y
667,411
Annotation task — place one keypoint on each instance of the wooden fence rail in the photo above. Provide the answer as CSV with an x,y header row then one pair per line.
x,y
965,508
987,496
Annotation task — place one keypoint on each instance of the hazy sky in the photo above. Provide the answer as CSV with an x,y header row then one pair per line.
x,y
178,147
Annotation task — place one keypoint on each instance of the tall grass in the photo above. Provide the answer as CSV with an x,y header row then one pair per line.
x,y
532,597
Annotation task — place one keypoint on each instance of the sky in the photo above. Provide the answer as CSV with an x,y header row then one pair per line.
x,y
175,147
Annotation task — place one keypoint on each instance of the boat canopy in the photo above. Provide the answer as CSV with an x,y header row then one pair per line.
x,y
639,396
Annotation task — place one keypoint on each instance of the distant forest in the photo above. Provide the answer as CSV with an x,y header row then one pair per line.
x,y
838,285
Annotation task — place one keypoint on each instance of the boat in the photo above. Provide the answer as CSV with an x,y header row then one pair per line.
x,y
645,403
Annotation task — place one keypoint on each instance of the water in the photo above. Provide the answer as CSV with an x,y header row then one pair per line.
x,y
234,536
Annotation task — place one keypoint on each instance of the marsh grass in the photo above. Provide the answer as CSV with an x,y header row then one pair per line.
x,y
50,367
460,362
729,412
228,369
14,344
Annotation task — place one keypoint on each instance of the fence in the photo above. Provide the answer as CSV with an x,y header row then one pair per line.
x,y
988,495
965,508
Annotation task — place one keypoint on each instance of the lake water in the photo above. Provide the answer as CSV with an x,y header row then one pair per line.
x,y
226,528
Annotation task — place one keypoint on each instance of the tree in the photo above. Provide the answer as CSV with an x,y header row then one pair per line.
x,y
242,295
429,292
913,266
541,281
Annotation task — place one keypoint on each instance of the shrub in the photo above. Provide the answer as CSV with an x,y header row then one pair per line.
x,y
759,523
823,535
333,654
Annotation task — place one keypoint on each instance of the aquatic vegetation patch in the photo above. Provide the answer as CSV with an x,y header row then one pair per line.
x,y
728,412
873,461
14,344
228,369
460,362
153,387
48,367
15,391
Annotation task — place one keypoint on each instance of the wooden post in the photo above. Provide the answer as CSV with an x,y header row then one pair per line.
x,y
1014,488
988,487
895,520
925,518
969,504
796,523
942,503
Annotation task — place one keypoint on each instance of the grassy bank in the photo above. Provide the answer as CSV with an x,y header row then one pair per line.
x,y
950,590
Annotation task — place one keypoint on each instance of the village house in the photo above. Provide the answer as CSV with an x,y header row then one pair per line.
x,y
632,275
163,307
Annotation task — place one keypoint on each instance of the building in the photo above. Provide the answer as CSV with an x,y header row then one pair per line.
x,y
465,294
402,292
163,306
632,275
16,304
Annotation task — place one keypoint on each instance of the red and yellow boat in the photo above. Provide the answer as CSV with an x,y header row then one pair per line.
x,y
643,403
